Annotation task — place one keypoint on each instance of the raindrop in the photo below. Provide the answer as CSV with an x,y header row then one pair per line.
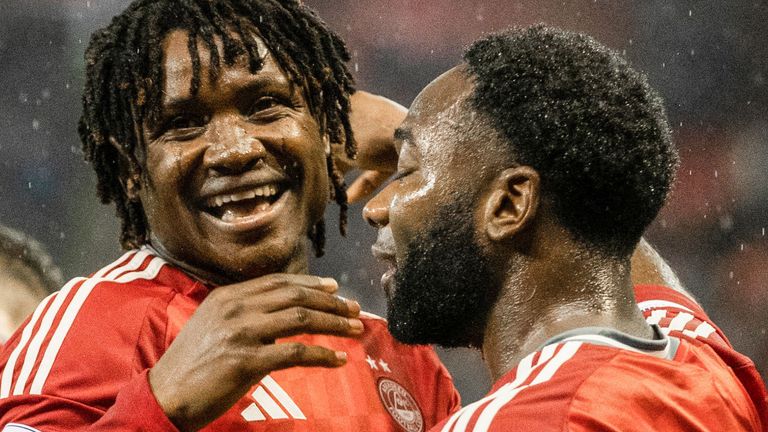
x,y
23,98
357,68
715,173
730,275
664,65
741,248
36,124
690,12
29,185
763,231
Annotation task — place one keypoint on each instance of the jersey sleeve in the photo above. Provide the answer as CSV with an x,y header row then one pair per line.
x,y
80,361
675,312
135,409
678,315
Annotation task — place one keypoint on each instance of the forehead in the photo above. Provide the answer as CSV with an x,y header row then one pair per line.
x,y
444,98
440,116
179,67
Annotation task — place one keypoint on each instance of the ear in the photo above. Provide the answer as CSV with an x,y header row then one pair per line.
x,y
512,203
130,175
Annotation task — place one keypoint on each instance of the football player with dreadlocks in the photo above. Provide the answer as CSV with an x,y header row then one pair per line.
x,y
214,127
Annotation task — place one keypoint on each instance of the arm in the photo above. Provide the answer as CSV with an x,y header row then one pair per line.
x,y
374,120
226,347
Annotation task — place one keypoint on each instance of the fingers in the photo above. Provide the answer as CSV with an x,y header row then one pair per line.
x,y
281,281
301,320
309,298
290,354
365,184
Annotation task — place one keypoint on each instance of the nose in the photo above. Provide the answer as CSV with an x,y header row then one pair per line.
x,y
232,150
376,211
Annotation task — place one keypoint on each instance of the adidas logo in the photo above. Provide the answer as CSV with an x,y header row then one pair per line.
x,y
271,402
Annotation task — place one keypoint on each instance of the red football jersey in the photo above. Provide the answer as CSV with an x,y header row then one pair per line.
x,y
686,379
81,360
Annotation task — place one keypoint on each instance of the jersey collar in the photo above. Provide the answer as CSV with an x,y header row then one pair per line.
x,y
661,346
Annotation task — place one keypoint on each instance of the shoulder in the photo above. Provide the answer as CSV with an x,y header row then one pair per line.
x,y
83,340
543,382
378,338
642,392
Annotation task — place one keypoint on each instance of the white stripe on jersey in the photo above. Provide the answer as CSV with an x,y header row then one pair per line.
x,y
46,323
656,316
660,304
18,427
460,420
45,326
5,381
488,414
704,330
127,275
270,384
679,322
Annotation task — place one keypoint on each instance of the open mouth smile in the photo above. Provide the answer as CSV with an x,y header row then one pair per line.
x,y
230,207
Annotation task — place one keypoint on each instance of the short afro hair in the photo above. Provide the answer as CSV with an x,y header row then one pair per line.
x,y
592,127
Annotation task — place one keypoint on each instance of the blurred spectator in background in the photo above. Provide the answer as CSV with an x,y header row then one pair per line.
x,y
27,275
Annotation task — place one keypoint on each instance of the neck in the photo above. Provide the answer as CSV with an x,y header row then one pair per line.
x,y
298,265
556,293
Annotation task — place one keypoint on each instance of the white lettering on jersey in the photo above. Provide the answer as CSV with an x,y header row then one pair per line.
x,y
272,400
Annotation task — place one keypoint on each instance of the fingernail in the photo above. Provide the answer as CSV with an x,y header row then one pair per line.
x,y
352,305
341,355
330,282
356,324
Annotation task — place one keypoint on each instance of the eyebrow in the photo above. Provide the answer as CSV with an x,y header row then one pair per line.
x,y
192,102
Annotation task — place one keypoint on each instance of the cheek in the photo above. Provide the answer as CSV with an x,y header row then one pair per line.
x,y
412,207
168,170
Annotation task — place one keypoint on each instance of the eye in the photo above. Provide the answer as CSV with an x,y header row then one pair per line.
x,y
186,122
263,104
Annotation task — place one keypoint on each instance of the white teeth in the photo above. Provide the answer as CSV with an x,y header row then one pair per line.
x,y
262,191
228,216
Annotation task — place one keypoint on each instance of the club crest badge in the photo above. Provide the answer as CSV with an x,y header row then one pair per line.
x,y
401,405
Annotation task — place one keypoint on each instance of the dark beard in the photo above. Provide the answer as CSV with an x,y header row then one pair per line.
x,y
444,289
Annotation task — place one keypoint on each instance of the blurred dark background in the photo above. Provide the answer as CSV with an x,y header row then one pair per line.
x,y
708,59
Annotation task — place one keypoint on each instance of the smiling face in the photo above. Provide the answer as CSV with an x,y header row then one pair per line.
x,y
235,175
440,285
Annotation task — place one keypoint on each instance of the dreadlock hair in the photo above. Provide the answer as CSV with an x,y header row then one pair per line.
x,y
124,77
586,121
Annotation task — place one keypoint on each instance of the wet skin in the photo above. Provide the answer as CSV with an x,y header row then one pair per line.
x,y
549,281
243,134
430,173
233,179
